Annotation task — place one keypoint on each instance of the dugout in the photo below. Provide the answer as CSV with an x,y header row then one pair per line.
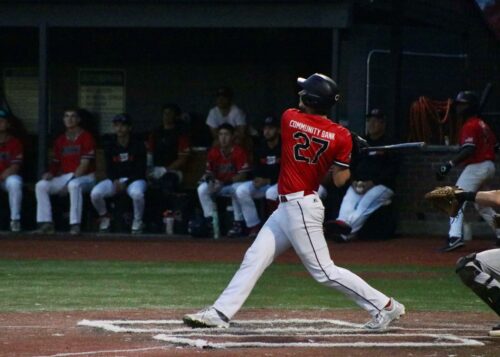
x,y
382,53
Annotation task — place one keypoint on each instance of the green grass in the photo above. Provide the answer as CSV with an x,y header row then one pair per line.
x,y
35,285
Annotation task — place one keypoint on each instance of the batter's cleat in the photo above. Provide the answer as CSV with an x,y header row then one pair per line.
x,y
45,228
74,230
15,226
453,243
495,331
209,317
381,321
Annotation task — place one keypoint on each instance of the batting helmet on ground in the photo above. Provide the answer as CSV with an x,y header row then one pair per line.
x,y
318,91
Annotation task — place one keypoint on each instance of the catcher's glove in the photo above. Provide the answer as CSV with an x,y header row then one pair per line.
x,y
445,199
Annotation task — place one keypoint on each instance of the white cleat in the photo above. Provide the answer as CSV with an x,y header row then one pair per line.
x,y
206,318
382,320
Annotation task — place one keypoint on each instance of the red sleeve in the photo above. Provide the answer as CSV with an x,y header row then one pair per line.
x,y
183,147
469,135
211,161
56,160
344,145
88,147
17,152
241,160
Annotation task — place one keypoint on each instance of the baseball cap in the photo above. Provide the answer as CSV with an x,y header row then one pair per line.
x,y
467,97
123,118
271,121
377,113
224,92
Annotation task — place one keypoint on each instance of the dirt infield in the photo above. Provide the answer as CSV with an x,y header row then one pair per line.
x,y
263,332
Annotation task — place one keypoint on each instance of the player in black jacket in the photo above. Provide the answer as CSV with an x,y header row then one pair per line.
x,y
126,171
373,175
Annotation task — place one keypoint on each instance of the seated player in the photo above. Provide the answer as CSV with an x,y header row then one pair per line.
x,y
373,178
267,165
11,158
125,171
225,111
72,171
227,168
168,150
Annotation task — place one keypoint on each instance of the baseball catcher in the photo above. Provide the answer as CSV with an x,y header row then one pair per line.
x,y
478,271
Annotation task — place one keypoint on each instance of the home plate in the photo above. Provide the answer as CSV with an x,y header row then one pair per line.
x,y
289,333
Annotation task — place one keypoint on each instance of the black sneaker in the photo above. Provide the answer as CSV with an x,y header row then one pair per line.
x,y
495,331
237,230
453,243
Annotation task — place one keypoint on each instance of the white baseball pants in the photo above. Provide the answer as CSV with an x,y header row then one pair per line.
x,y
490,264
106,189
58,185
355,208
13,185
245,194
205,196
471,179
297,223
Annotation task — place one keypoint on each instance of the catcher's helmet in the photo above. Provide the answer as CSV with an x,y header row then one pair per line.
x,y
471,99
318,91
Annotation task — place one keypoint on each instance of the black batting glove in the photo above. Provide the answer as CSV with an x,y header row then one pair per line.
x,y
443,170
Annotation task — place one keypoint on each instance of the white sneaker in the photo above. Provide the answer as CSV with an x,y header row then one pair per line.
x,y
206,318
137,226
385,317
104,223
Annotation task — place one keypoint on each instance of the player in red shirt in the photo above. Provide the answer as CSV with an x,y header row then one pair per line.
x,y
477,153
72,170
11,158
227,168
311,144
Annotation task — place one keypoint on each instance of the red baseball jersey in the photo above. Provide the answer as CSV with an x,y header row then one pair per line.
x,y
11,152
69,153
476,133
222,167
311,144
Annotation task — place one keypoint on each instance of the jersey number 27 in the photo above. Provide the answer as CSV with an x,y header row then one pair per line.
x,y
302,150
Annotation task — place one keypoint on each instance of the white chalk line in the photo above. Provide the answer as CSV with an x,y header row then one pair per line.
x,y
178,336
89,353
200,343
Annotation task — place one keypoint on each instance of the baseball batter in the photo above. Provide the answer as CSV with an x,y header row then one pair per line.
x,y
311,143
477,153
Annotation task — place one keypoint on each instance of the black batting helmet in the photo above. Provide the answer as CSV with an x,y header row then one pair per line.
x,y
318,91
471,99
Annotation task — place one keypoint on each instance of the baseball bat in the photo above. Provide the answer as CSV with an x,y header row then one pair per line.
x,y
485,94
412,145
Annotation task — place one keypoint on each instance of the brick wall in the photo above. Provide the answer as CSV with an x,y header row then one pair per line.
x,y
417,176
